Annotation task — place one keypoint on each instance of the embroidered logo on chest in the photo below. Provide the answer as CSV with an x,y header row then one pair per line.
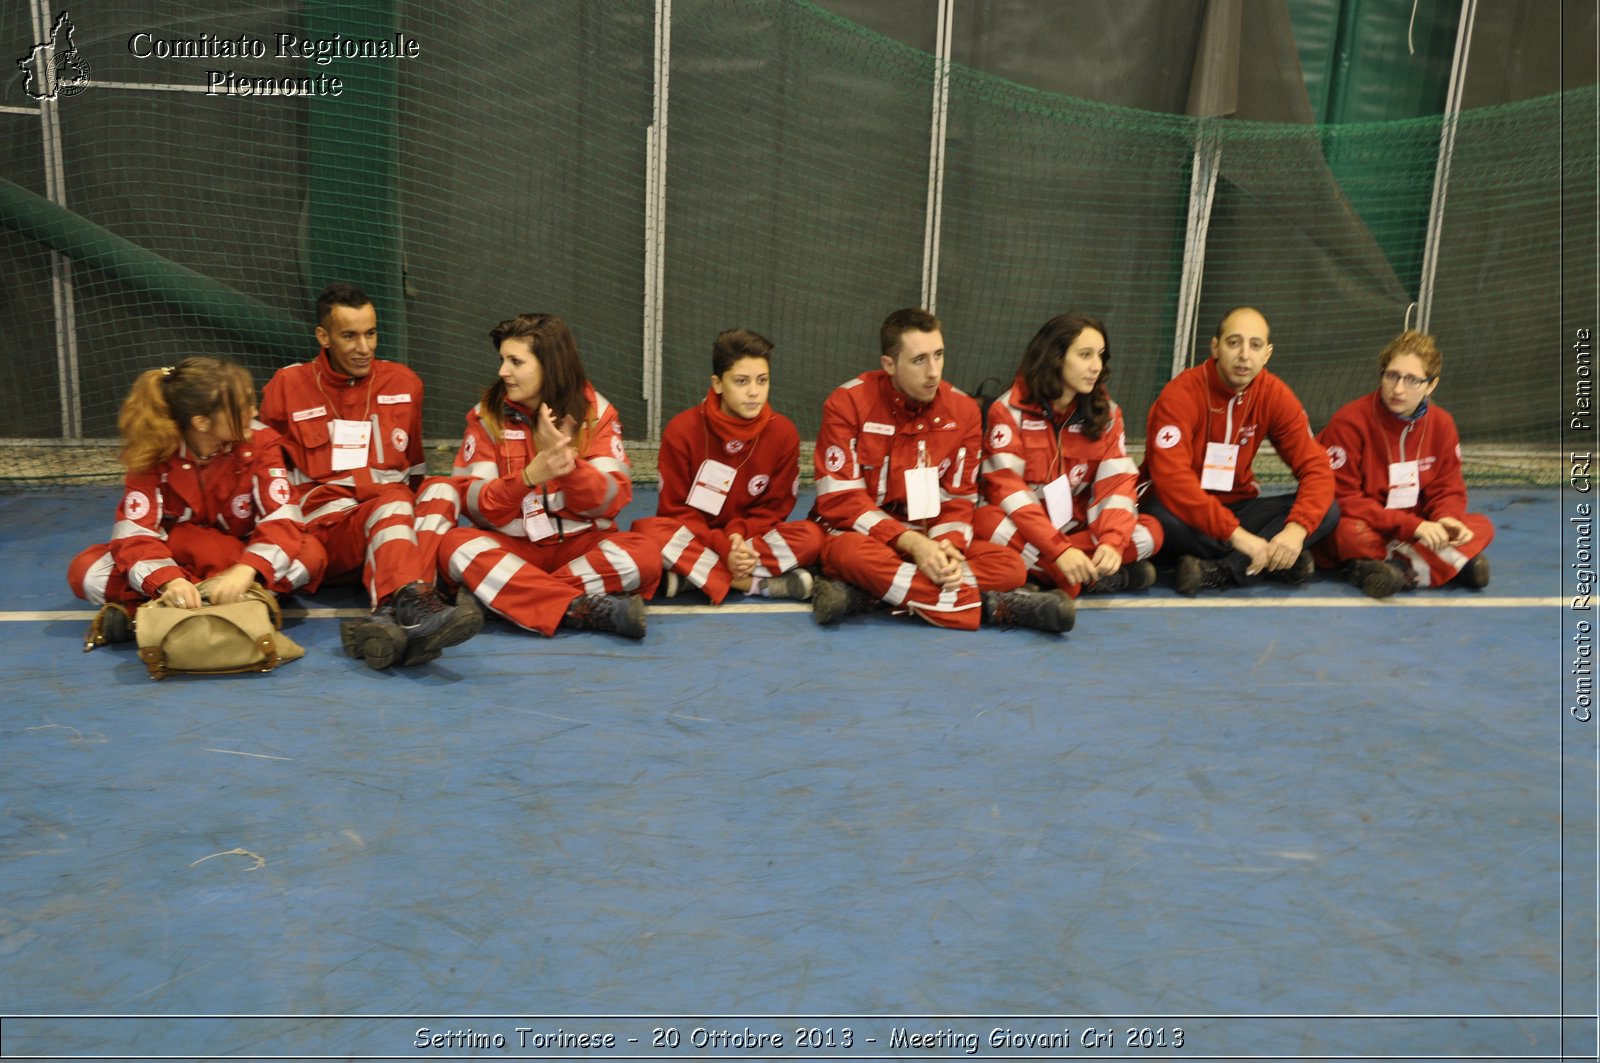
x,y
733,446
758,485
241,506
1337,457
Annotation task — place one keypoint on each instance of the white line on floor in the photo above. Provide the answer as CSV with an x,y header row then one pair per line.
x,y
1451,600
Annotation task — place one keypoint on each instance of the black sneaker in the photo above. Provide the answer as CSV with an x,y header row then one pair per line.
x,y
1297,574
431,624
833,599
1377,579
1052,611
795,585
1474,573
379,639
1195,573
621,614
1138,576
111,624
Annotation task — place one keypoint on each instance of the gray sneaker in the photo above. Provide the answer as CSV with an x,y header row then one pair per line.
x,y
795,585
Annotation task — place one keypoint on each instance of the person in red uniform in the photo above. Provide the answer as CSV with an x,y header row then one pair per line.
x,y
1202,436
352,429
1396,459
1058,485
730,470
206,507
897,476
543,474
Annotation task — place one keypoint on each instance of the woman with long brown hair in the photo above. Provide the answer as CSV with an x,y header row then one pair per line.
x,y
1058,485
543,474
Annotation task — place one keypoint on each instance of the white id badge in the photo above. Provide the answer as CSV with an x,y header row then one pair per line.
x,y
535,521
1221,461
1404,483
1058,501
711,486
350,442
922,493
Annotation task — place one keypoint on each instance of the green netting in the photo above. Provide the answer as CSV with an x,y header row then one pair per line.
x,y
506,168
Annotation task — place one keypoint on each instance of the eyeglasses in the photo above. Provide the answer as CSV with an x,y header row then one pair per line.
x,y
1392,379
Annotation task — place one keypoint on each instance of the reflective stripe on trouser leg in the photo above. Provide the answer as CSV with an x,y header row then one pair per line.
x,y
438,511
507,576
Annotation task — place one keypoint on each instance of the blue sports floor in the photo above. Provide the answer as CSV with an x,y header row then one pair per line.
x,y
1272,824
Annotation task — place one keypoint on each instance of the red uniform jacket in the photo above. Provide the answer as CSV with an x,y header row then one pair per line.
x,y
871,434
1364,437
1028,446
300,401
589,496
765,483
1197,407
244,491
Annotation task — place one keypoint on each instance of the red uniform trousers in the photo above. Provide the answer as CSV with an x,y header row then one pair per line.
x,y
95,577
794,544
531,584
392,538
881,570
990,524
1354,539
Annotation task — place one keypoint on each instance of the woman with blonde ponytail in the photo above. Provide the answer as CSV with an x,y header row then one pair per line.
x,y
206,500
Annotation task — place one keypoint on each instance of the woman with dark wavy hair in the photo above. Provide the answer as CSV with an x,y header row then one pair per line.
x,y
543,475
1058,485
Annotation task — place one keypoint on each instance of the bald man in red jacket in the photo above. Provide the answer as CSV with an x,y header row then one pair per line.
x,y
1202,436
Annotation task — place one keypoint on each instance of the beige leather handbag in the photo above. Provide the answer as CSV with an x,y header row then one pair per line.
x,y
241,636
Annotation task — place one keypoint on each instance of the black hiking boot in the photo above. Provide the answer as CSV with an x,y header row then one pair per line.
x,y
620,614
1052,611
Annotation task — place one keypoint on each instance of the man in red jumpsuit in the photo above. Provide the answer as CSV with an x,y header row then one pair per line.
x,y
897,477
352,431
1203,433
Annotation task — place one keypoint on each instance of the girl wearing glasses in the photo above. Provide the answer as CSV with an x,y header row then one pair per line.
x,y
1397,468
